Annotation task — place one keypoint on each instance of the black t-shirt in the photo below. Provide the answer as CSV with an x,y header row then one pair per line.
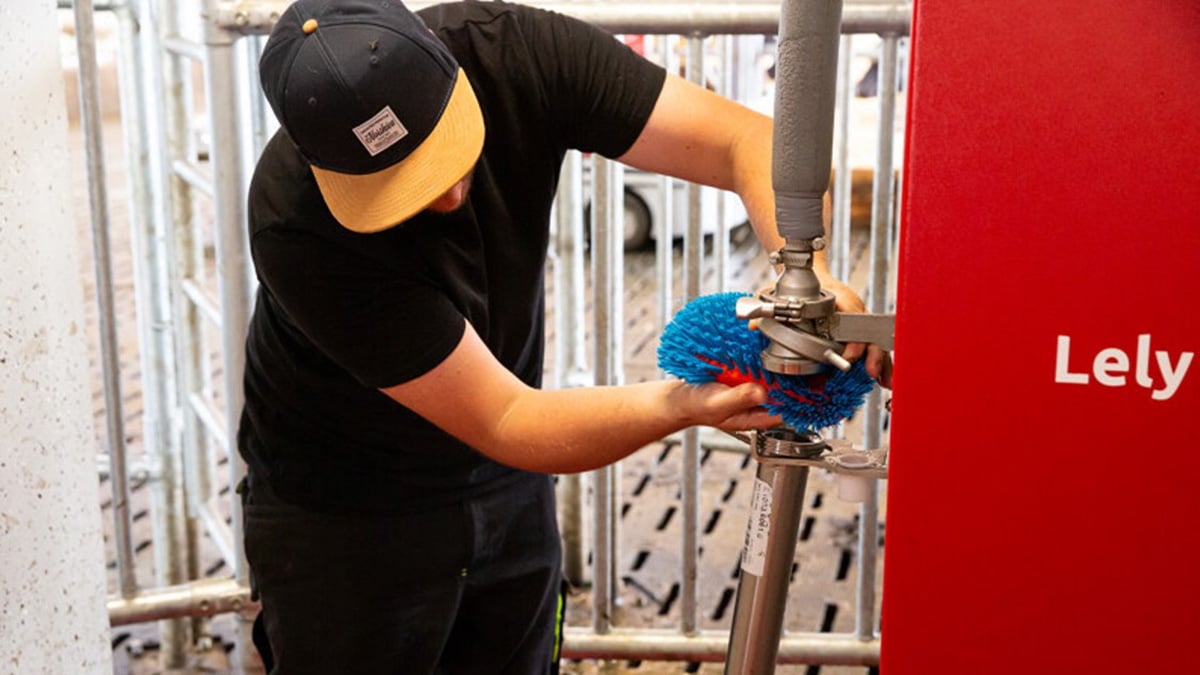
x,y
340,315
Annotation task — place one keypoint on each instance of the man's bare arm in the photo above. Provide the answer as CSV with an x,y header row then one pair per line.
x,y
471,396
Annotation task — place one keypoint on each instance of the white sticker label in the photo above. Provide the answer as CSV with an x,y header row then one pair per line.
x,y
754,553
381,131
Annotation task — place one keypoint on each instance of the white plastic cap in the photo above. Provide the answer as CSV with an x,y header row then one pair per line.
x,y
854,488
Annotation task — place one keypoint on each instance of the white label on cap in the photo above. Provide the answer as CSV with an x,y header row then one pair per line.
x,y
381,131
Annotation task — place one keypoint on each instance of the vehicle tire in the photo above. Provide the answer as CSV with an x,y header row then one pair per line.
x,y
638,223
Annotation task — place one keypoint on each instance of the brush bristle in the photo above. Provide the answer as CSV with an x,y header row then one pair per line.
x,y
706,342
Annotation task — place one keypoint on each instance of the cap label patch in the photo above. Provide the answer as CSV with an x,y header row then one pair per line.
x,y
381,131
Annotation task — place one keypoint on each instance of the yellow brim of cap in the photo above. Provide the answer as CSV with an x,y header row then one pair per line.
x,y
377,201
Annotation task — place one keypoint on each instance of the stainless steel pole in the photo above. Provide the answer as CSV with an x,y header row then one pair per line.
x,y
575,309
89,95
766,565
606,284
231,249
569,359
721,235
664,244
602,558
840,251
141,118
570,494
693,265
881,210
191,357
234,274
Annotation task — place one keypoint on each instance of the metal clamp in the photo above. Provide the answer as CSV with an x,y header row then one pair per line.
x,y
785,446
803,344
766,305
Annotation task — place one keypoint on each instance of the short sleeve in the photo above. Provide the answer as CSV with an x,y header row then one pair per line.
x,y
600,92
384,324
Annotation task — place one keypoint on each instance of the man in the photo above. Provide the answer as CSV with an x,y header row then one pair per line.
x,y
400,515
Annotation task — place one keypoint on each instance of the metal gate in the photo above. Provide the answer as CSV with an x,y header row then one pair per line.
x,y
194,123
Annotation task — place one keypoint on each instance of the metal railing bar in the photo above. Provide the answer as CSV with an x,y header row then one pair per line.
x,y
102,6
570,362
711,439
202,300
569,268
89,95
606,289
176,71
720,254
210,597
868,535
840,251
139,86
664,244
232,254
693,266
210,418
665,645
138,470
180,46
205,597
718,18
218,530
193,176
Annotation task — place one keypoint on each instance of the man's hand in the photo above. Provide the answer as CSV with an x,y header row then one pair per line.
x,y
727,408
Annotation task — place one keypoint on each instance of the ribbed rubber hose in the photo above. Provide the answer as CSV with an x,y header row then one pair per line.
x,y
806,88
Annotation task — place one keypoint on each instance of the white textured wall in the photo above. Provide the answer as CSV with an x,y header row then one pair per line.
x,y
52,585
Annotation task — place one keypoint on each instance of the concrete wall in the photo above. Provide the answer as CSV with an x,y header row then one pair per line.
x,y
52,584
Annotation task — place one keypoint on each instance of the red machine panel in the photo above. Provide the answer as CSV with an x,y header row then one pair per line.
x,y
1043,498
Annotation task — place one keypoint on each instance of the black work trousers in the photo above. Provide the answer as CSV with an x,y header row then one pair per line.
x,y
471,588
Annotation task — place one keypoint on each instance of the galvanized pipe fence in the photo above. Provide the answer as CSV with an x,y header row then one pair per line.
x,y
194,287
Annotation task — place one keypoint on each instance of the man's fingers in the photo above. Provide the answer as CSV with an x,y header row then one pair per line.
x,y
854,351
757,418
879,362
725,400
739,408
879,366
750,395
845,299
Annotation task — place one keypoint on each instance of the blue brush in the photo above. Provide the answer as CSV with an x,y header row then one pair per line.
x,y
706,342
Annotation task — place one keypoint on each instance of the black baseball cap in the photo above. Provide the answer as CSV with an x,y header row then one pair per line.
x,y
376,104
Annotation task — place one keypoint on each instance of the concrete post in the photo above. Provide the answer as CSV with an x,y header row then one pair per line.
x,y
52,583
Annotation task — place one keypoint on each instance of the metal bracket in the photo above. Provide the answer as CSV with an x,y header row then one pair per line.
x,y
784,446
876,329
